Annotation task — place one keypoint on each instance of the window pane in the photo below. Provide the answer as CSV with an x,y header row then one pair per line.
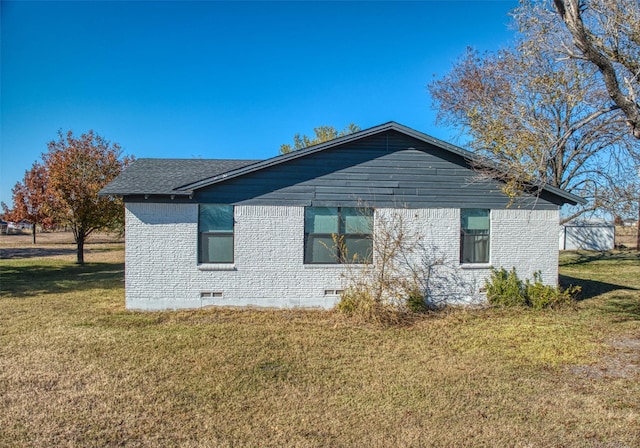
x,y
357,220
320,249
216,218
475,248
321,220
474,235
475,219
216,248
357,249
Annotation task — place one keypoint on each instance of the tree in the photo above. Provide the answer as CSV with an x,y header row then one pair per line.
x,y
539,119
31,198
78,169
606,33
323,134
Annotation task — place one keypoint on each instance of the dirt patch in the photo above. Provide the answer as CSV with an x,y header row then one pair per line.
x,y
624,362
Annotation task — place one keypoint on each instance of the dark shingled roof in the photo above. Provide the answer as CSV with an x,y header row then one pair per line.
x,y
164,176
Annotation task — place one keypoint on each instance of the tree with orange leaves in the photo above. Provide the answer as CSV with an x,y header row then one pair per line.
x,y
78,168
31,199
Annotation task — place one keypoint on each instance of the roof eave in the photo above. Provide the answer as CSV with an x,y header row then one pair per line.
x,y
182,193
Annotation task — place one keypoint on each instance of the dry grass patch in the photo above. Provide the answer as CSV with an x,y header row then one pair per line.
x,y
76,369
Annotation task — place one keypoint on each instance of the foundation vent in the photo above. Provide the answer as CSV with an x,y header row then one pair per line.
x,y
333,292
210,294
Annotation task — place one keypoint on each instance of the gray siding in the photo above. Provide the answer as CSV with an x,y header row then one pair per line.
x,y
386,170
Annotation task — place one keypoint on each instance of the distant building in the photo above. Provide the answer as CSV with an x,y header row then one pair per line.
x,y
585,234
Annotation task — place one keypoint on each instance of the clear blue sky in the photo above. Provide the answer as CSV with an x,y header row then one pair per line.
x,y
224,79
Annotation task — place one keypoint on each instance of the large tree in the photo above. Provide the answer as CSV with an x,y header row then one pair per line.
x,y
32,199
322,134
79,167
606,33
541,117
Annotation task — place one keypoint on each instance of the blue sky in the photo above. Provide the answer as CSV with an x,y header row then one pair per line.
x,y
224,79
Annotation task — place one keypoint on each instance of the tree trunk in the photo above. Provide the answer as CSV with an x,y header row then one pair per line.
x,y
34,232
80,243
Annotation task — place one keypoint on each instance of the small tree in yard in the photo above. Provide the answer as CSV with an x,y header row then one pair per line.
x,y
78,169
405,275
31,198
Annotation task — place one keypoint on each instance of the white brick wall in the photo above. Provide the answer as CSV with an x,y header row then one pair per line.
x,y
162,270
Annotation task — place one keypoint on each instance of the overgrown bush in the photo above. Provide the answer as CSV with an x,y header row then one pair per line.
x,y
405,276
362,304
505,288
540,296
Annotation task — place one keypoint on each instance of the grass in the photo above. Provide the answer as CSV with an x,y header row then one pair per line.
x,y
77,369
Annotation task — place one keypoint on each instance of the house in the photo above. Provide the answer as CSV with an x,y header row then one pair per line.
x,y
260,233
583,234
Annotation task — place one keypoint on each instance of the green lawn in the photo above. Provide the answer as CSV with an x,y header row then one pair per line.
x,y
77,369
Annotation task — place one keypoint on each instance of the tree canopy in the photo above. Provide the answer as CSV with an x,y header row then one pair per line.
x,y
541,117
78,168
31,199
322,134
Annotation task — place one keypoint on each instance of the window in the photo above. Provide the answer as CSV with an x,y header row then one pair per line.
x,y
474,235
338,235
215,227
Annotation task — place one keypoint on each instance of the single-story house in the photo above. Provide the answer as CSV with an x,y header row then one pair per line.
x,y
261,232
587,234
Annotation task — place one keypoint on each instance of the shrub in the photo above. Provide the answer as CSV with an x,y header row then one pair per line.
x,y
406,275
415,302
361,304
504,288
540,296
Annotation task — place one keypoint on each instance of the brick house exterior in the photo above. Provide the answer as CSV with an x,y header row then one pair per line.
x,y
254,233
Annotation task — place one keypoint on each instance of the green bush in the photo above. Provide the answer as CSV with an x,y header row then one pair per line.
x,y
415,302
540,296
504,288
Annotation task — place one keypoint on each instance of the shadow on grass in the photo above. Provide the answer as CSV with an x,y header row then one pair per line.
x,y
42,252
572,258
623,308
33,252
25,281
591,288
